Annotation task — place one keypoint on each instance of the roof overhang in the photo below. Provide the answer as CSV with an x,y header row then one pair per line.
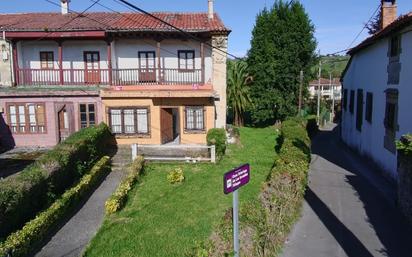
x,y
54,34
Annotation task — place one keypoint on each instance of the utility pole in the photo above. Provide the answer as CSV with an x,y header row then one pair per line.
x,y
319,94
300,93
333,95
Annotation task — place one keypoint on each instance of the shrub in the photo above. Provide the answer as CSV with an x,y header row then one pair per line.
x,y
176,176
217,137
22,241
37,186
119,197
266,222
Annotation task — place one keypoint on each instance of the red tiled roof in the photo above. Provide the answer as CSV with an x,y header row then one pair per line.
x,y
398,24
191,22
323,81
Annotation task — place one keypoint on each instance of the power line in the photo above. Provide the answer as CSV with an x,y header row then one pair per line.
x,y
360,33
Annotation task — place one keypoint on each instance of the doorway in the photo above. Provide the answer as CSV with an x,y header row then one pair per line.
x,y
147,67
170,125
92,67
63,124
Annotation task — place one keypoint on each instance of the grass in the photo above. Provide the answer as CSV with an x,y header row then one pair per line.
x,y
161,219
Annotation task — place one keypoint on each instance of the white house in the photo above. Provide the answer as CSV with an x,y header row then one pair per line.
x,y
377,90
329,89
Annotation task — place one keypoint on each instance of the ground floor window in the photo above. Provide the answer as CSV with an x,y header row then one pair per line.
x,y
129,120
87,115
391,119
194,118
27,117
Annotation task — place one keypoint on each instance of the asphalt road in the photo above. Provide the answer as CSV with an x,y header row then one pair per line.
x,y
349,208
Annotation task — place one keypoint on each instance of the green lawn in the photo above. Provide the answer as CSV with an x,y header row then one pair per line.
x,y
166,220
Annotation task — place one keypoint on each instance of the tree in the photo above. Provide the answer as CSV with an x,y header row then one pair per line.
x,y
238,81
376,24
283,44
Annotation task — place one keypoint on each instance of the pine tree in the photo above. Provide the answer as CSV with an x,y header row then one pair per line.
x,y
283,44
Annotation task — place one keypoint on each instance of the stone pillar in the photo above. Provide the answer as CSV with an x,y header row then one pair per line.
x,y
219,78
5,64
405,176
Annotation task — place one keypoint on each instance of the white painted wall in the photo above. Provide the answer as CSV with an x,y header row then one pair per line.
x,y
368,71
326,91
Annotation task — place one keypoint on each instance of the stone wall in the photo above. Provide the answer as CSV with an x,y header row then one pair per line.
x,y
219,78
405,176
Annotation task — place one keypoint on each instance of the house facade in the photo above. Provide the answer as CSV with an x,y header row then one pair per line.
x,y
377,91
149,82
329,89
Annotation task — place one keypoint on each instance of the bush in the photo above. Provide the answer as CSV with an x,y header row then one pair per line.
x,y
176,176
267,222
22,241
217,137
119,197
37,186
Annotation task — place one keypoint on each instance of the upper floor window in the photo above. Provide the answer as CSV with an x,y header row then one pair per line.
x,y
47,60
194,119
395,46
186,59
27,118
87,115
129,120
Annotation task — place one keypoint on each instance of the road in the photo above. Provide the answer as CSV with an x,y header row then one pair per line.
x,y
349,208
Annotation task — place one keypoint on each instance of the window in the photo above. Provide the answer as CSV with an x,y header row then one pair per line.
x,y
391,119
194,118
27,118
87,115
395,46
352,101
369,107
129,120
359,110
186,59
345,99
46,60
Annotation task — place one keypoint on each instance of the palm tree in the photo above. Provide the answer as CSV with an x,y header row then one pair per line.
x,y
238,90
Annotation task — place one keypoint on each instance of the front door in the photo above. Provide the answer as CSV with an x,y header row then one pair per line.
x,y
92,67
64,126
166,125
147,67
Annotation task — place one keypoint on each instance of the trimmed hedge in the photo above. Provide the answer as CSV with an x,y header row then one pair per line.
x,y
37,186
266,222
217,137
117,201
21,242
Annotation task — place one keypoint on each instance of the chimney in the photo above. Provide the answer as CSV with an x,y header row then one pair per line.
x,y
388,12
65,6
210,10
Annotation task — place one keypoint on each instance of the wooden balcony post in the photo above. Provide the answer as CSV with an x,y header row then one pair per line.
x,y
15,64
202,55
159,64
109,61
61,63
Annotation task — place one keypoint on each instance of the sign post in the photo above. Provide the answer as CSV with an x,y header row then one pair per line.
x,y
232,181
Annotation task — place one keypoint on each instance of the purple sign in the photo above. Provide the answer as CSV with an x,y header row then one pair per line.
x,y
236,178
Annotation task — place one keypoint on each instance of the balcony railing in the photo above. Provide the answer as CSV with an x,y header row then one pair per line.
x,y
115,77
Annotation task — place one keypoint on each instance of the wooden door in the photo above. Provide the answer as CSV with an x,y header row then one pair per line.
x,y
92,67
166,125
147,67
64,126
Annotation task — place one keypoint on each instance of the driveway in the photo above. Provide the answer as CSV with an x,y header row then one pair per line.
x,y
349,208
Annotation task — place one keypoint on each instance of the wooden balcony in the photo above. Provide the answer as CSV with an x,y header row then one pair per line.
x,y
112,77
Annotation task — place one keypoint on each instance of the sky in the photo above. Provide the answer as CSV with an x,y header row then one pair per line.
x,y
337,22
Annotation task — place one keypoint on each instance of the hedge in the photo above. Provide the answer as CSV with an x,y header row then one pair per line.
x,y
266,222
37,186
21,242
217,137
119,197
